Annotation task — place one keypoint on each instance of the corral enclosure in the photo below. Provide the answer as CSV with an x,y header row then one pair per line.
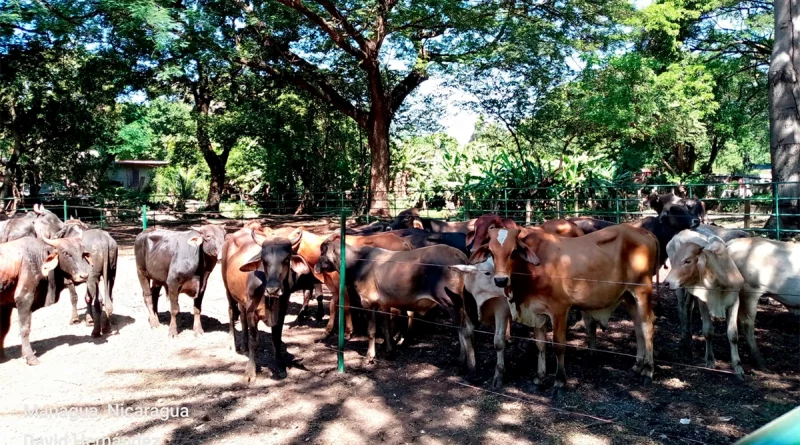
x,y
190,390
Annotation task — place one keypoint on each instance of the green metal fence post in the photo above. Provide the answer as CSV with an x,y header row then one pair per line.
x,y
690,192
505,198
616,197
144,217
775,190
342,262
241,208
102,214
65,210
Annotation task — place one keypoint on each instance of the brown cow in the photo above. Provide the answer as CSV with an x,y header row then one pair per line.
x,y
310,250
594,273
259,274
28,266
416,280
483,223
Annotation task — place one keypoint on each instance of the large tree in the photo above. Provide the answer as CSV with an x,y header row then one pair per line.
x,y
784,91
364,57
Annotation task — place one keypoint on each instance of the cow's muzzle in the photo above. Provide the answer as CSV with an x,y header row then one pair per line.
x,y
501,281
273,291
694,223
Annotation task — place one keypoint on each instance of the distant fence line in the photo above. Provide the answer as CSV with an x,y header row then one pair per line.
x,y
744,205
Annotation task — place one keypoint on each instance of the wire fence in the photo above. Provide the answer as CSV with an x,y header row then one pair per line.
x,y
761,208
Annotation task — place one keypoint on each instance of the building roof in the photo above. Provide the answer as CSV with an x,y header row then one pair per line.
x,y
142,163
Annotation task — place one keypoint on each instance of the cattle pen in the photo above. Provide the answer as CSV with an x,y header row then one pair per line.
x,y
139,385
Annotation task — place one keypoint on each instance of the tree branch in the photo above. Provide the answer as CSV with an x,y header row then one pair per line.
x,y
326,26
406,86
348,27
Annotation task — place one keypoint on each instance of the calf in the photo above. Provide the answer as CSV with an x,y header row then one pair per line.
x,y
700,236
590,225
594,273
180,261
28,266
259,271
706,270
104,252
416,280
493,308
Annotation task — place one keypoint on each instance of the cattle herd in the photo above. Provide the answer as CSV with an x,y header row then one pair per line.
x,y
486,270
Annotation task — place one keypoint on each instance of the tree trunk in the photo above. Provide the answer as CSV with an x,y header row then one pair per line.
x,y
378,139
784,122
10,172
216,163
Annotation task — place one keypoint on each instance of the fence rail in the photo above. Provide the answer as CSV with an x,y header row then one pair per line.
x,y
747,205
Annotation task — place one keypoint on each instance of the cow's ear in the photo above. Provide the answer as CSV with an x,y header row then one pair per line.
x,y
417,224
50,263
716,247
88,257
252,264
470,237
463,268
299,265
526,253
480,254
196,240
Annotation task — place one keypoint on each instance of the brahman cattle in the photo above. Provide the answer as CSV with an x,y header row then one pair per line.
x,y
408,219
309,249
700,236
179,261
416,280
703,267
549,275
672,219
695,206
483,223
28,266
259,271
104,253
422,238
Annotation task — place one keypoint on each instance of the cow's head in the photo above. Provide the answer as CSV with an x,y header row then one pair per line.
x,y
504,247
73,227
697,208
277,258
211,237
678,217
703,265
479,280
329,254
70,256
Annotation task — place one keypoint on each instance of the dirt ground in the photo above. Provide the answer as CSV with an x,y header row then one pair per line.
x,y
189,390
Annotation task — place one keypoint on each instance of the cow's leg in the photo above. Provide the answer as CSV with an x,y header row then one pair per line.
x,y
245,332
540,335
5,326
150,299
197,327
277,343
501,323
175,308
320,309
747,319
304,308
251,326
73,298
591,331
633,310
645,310
348,320
371,328
332,309
95,306
708,334
25,328
387,330
733,339
684,313
232,314
560,346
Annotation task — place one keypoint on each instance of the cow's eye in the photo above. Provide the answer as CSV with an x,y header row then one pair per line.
x,y
487,273
687,261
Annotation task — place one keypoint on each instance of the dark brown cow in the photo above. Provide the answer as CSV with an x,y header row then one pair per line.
x,y
27,267
179,261
408,219
590,225
259,272
594,273
416,280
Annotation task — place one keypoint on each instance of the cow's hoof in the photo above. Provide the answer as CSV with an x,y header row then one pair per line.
x,y
249,377
555,392
75,320
107,328
89,321
739,377
497,382
154,323
96,334
198,332
711,364
647,380
173,332
32,360
280,374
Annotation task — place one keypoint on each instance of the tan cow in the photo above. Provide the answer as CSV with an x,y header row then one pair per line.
x,y
595,273
706,270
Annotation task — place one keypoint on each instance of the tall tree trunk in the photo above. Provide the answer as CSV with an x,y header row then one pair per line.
x,y
378,139
216,163
10,172
784,91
